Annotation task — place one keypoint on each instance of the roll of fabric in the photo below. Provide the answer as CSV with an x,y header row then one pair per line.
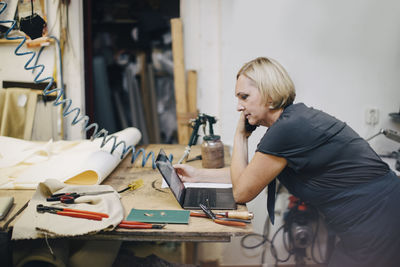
x,y
24,164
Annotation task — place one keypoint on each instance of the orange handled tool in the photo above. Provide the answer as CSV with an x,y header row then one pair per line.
x,y
103,215
230,222
139,225
202,214
90,215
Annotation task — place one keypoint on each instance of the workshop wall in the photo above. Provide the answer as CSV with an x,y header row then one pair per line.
x,y
342,56
12,66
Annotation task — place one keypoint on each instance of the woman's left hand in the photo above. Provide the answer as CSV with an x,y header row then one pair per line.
x,y
187,173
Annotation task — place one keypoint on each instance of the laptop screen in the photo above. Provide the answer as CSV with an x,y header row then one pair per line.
x,y
171,177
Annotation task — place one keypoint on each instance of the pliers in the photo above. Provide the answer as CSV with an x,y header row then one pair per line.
x,y
91,215
69,198
139,225
224,221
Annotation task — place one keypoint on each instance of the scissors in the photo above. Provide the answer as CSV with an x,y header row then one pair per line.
x,y
69,198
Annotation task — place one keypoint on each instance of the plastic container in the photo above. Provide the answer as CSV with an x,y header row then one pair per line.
x,y
212,152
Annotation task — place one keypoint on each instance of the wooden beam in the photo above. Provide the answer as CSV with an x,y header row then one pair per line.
x,y
179,80
145,93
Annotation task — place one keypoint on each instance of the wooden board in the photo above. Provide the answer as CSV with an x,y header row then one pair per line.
x,y
179,80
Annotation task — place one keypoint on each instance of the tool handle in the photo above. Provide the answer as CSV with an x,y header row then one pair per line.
x,y
133,226
103,215
80,215
230,223
67,199
198,214
139,225
134,223
56,198
61,196
244,215
57,195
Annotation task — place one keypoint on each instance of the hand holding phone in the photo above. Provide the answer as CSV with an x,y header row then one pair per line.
x,y
248,127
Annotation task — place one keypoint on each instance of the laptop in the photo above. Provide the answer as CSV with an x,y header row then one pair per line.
x,y
191,197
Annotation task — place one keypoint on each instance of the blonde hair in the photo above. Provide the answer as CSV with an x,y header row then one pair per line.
x,y
272,81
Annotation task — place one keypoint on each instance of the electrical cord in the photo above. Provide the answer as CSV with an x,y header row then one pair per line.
x,y
322,261
287,241
263,241
66,103
273,250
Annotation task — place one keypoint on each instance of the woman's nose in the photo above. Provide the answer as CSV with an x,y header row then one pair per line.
x,y
239,107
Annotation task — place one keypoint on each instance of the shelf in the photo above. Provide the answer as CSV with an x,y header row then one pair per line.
x,y
38,42
5,41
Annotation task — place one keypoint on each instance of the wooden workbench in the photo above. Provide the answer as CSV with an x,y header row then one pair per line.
x,y
150,196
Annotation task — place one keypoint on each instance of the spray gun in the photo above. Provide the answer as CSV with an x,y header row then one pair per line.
x,y
211,120
210,139
195,124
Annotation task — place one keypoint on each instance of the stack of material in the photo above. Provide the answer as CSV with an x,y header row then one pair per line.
x,y
24,164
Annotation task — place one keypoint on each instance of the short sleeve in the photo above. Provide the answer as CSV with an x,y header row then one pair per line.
x,y
298,130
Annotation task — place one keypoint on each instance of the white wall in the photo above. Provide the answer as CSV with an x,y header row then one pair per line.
x,y
12,66
74,68
343,56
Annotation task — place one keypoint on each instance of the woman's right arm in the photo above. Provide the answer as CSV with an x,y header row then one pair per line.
x,y
249,179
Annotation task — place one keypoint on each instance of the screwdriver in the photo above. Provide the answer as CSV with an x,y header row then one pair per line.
x,y
132,186
240,216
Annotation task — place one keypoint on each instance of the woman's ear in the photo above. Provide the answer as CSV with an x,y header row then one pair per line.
x,y
270,104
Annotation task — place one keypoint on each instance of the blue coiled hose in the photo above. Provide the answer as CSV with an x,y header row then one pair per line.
x,y
67,103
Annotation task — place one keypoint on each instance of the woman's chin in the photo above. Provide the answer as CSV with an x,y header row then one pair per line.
x,y
251,122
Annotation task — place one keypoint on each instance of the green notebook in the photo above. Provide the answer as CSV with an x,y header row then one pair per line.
x,y
159,216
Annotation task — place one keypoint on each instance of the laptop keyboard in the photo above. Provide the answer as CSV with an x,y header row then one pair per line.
x,y
207,197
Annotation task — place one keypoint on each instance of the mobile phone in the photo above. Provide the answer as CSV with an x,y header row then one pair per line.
x,y
5,206
249,128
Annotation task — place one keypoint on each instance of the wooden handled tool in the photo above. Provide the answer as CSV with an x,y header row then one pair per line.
x,y
224,221
244,215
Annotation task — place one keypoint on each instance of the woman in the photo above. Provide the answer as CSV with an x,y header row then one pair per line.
x,y
320,160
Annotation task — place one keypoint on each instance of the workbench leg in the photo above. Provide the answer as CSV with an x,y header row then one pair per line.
x,y
209,254
190,253
5,251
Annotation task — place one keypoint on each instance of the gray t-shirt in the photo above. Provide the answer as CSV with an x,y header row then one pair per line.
x,y
320,150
